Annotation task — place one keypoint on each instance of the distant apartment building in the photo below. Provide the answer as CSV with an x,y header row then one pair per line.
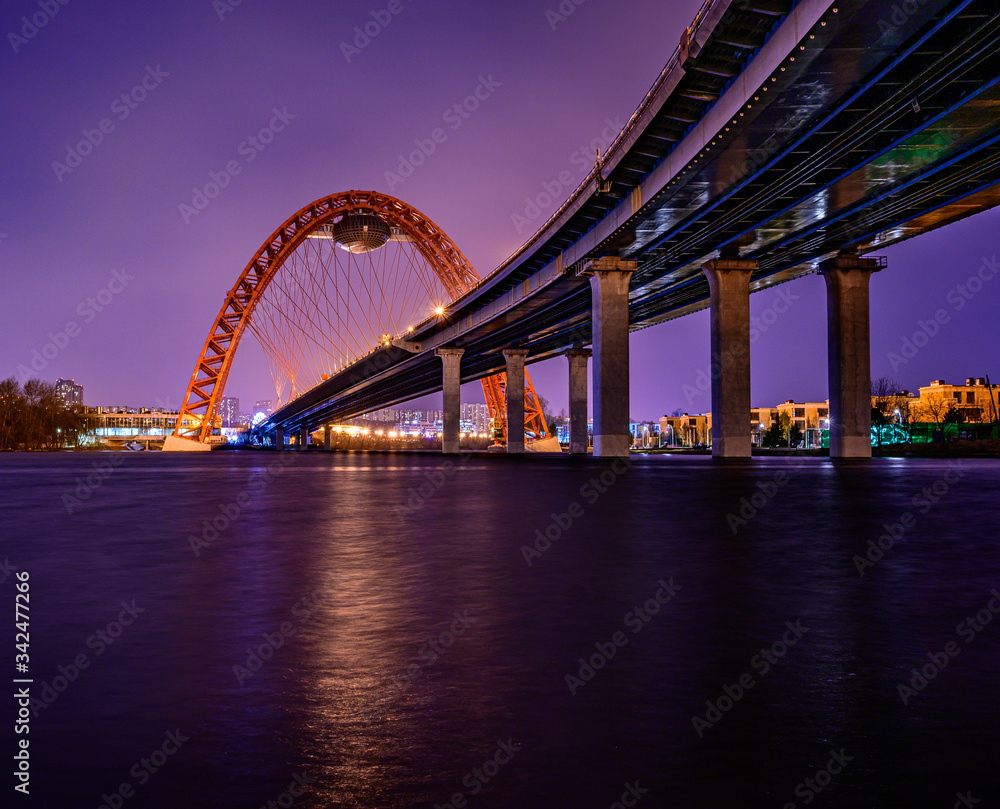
x,y
265,406
975,400
562,431
693,430
229,411
812,419
419,420
129,423
685,430
761,419
386,415
476,416
805,415
68,392
645,434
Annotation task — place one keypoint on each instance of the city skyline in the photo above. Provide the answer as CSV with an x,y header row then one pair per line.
x,y
472,388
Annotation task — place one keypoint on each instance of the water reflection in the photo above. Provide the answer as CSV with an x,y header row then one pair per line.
x,y
318,634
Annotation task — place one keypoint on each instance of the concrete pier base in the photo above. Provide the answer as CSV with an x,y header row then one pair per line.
x,y
327,438
174,443
451,361
303,438
279,438
849,353
578,358
515,399
729,288
609,279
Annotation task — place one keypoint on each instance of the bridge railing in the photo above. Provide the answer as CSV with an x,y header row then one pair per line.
x,y
673,63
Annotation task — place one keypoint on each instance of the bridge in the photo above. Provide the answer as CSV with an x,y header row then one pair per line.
x,y
782,138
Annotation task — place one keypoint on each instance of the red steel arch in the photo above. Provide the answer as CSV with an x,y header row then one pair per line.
x,y
456,274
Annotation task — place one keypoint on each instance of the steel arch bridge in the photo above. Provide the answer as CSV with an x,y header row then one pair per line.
x,y
280,298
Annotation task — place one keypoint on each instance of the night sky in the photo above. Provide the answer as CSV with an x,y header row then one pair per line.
x,y
216,73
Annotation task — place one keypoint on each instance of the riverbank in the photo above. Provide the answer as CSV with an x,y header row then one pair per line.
x,y
950,449
989,448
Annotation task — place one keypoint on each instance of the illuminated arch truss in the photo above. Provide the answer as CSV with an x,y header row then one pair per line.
x,y
333,282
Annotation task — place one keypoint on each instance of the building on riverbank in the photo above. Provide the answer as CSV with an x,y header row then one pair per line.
x,y
69,393
938,411
128,424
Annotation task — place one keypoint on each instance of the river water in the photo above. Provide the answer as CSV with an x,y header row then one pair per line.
x,y
365,630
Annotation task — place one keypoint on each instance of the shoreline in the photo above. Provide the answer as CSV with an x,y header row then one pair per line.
x,y
956,449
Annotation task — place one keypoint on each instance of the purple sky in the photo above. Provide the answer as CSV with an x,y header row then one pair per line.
x,y
214,82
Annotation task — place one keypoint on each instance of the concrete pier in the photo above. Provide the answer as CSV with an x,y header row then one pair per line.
x,y
729,288
515,399
303,438
279,437
326,437
609,279
578,358
849,353
174,443
451,360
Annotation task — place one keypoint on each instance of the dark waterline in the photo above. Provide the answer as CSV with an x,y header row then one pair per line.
x,y
366,558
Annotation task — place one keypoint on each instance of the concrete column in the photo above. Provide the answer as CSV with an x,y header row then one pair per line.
x,y
303,437
849,353
326,437
729,289
279,437
578,399
609,278
515,399
451,360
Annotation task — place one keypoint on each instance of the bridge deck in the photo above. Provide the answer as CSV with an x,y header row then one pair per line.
x,y
799,128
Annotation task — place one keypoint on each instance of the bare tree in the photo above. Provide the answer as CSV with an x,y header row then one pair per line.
x,y
11,413
885,398
903,417
934,408
32,417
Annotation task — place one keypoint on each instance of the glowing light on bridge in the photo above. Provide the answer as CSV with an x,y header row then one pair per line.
x,y
316,309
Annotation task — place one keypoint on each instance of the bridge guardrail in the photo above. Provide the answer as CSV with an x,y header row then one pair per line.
x,y
673,62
